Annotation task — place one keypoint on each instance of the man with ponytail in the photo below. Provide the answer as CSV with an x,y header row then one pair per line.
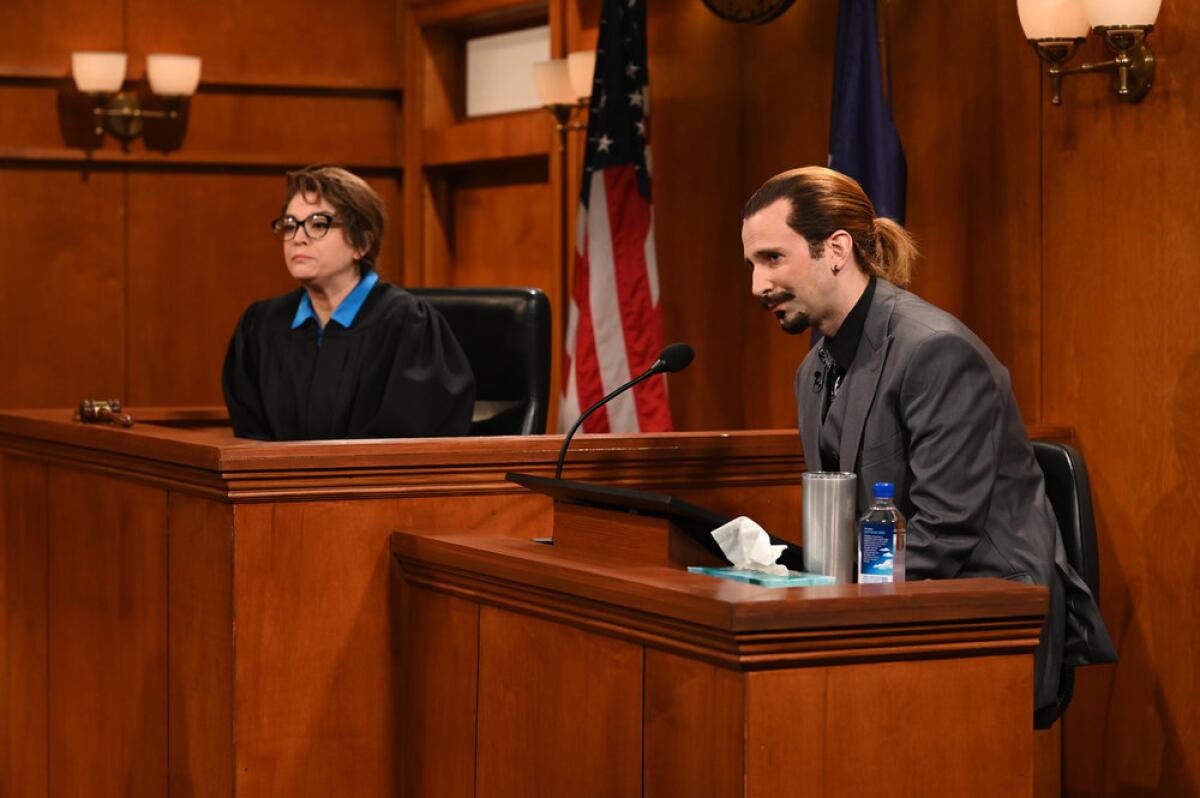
x,y
900,391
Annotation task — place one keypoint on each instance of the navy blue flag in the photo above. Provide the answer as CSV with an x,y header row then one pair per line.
x,y
863,142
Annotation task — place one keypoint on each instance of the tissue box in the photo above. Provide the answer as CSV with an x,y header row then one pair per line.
x,y
791,579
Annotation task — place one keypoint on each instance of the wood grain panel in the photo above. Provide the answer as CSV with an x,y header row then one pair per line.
x,y
827,712
200,638
208,254
239,129
38,38
1122,362
305,43
517,135
353,130
107,636
560,710
502,227
317,712
501,233
23,655
980,257
785,119
694,728
697,149
65,324
440,654
33,115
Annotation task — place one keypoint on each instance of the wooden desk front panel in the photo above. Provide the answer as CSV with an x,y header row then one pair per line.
x,y
183,610
499,703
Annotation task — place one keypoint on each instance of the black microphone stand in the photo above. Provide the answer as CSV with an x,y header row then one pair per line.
x,y
658,367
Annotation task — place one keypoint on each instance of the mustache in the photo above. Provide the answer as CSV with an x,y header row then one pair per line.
x,y
774,299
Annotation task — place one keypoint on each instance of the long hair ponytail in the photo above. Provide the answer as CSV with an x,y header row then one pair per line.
x,y
823,202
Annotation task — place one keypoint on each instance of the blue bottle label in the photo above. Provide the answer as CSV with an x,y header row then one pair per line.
x,y
877,553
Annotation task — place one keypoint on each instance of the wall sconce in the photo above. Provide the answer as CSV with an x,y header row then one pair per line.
x,y
1056,29
101,75
564,87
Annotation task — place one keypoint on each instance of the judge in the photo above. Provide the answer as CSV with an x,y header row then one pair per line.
x,y
345,355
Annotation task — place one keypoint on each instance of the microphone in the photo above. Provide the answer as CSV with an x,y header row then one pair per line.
x,y
674,357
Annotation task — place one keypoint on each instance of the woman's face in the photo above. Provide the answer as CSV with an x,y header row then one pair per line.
x,y
328,261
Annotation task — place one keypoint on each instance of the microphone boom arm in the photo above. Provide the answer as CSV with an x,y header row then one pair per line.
x,y
562,455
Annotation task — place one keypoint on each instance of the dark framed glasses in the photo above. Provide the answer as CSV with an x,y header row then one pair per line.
x,y
316,225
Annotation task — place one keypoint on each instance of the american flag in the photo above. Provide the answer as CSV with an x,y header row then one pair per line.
x,y
614,326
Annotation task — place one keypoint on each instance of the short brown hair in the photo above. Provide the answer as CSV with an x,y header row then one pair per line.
x,y
356,204
824,201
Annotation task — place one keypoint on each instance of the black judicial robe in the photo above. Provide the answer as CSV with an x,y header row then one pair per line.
x,y
397,372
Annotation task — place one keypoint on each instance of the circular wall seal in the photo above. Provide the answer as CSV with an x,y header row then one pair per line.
x,y
748,11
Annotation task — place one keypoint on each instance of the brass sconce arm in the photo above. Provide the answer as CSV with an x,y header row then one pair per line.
x,y
124,115
567,117
1132,66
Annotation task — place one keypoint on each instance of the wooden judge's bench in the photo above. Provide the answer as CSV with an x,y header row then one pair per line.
x,y
188,613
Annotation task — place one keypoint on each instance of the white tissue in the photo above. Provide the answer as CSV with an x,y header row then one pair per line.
x,y
748,546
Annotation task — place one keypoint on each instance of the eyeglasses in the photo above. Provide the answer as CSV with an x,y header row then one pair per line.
x,y
315,226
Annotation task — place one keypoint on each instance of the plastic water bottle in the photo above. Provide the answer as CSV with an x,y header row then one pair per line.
x,y
881,538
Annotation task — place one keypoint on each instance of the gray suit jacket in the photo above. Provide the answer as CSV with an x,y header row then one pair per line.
x,y
931,410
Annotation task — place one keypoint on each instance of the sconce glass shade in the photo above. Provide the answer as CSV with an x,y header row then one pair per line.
x,y
553,82
173,75
1053,19
1121,13
582,68
98,73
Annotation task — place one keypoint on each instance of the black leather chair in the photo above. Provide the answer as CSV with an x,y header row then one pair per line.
x,y
1070,495
505,333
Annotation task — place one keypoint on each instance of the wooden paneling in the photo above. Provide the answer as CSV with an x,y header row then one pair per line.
x,y
134,260
841,690
239,129
297,671
1122,363
23,658
263,127
38,38
502,226
521,134
532,674
973,196
302,43
200,627
65,323
209,254
696,141
108,630
441,659
786,75
694,719
986,756
30,118
314,640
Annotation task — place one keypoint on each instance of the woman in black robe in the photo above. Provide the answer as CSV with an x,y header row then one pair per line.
x,y
346,355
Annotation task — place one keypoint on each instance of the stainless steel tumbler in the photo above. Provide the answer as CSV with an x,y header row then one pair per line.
x,y
829,513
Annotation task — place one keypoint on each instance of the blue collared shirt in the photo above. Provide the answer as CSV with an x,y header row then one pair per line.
x,y
346,311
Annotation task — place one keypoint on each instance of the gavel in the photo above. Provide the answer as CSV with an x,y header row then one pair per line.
x,y
94,411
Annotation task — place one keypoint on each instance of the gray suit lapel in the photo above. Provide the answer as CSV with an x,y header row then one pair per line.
x,y
862,380
810,412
